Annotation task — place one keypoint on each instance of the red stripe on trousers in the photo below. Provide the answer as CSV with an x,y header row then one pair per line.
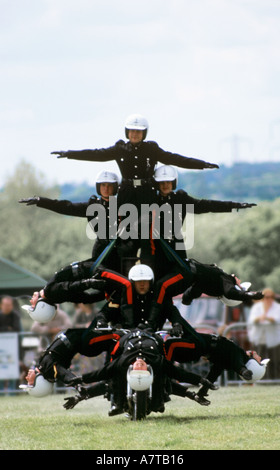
x,y
104,338
152,243
178,345
121,280
166,284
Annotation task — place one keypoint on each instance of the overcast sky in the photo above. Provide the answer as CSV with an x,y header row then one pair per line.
x,y
205,73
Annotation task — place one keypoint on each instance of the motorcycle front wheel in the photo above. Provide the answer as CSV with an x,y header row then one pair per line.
x,y
139,404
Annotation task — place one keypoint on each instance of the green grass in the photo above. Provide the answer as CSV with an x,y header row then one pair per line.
x,y
239,418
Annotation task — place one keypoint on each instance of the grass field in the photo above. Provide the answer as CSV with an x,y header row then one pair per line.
x,y
239,418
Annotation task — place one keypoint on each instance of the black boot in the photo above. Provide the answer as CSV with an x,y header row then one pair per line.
x,y
186,298
246,373
115,410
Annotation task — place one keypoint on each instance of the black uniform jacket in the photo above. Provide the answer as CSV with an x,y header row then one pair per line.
x,y
200,206
142,305
130,315
139,312
77,209
136,161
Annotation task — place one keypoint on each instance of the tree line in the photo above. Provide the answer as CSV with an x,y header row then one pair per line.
x,y
241,181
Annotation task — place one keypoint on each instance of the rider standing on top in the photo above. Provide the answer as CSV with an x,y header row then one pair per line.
x,y
136,158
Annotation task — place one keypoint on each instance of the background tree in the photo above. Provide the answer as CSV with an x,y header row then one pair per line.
x,y
246,243
36,239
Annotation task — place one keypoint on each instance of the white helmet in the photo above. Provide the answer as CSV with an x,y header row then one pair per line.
x,y
257,368
139,380
166,173
137,122
40,388
43,312
107,177
233,303
230,302
141,272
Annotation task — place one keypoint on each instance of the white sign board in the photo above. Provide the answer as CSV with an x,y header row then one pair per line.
x,y
9,356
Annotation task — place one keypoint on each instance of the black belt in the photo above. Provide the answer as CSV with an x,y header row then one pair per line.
x,y
138,182
65,340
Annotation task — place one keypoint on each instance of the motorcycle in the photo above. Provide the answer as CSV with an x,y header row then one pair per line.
x,y
140,392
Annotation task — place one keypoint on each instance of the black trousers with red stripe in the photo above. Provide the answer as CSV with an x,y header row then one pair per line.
x,y
116,282
222,353
94,342
170,285
85,341
64,285
165,288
